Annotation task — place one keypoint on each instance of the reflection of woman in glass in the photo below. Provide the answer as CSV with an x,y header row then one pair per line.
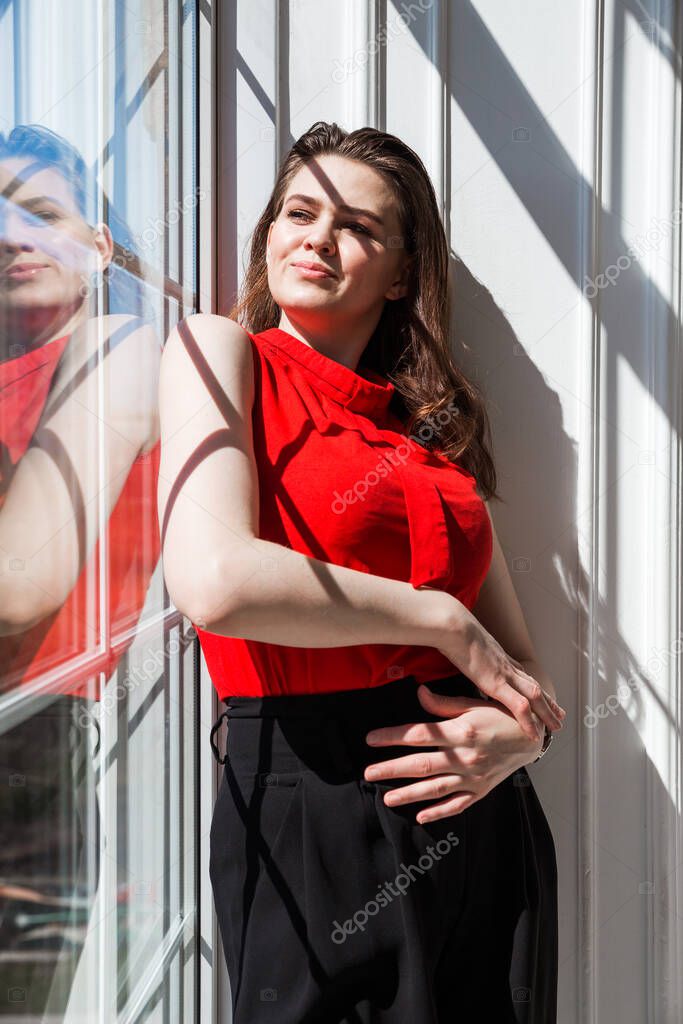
x,y
72,378
325,523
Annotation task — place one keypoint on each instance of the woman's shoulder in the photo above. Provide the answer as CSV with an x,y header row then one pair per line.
x,y
115,330
211,338
214,325
206,351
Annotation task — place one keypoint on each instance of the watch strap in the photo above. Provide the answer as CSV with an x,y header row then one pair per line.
x,y
547,740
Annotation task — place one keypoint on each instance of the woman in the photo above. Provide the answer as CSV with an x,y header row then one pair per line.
x,y
57,635
321,523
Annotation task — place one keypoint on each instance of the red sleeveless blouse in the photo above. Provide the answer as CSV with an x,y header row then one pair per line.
x,y
79,641
339,480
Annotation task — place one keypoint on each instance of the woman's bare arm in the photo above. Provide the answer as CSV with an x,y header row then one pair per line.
x,y
51,516
227,580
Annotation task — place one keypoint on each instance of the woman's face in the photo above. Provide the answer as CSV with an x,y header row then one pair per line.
x,y
363,247
47,250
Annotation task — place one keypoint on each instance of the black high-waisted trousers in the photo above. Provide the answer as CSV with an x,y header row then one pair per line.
x,y
337,909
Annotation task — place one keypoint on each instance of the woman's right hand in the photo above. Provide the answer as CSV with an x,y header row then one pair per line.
x,y
500,677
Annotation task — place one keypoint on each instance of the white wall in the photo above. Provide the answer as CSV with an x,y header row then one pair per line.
x,y
550,132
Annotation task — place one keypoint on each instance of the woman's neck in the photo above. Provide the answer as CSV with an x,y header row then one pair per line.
x,y
35,328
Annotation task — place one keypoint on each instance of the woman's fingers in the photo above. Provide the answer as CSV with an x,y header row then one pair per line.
x,y
432,789
508,682
523,698
411,766
541,702
453,805
520,706
559,712
417,734
447,704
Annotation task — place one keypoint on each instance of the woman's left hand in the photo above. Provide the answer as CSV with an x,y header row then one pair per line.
x,y
479,744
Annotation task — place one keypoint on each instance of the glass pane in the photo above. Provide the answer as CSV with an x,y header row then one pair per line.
x,y
98,681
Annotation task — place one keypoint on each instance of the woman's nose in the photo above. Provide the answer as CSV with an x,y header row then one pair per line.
x,y
321,236
321,243
14,231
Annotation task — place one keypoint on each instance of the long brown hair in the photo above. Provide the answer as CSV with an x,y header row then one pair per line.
x,y
437,403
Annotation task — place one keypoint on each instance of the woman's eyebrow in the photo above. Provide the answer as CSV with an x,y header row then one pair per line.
x,y
39,200
355,210
31,201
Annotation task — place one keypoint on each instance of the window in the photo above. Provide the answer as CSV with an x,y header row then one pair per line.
x,y
98,672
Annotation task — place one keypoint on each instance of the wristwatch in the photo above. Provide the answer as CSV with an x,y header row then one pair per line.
x,y
548,739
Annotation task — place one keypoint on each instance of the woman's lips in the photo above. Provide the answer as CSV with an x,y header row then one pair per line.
x,y
24,271
308,272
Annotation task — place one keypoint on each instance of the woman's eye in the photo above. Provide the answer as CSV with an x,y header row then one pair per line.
x,y
302,213
33,218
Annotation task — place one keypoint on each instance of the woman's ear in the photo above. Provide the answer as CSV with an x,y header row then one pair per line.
x,y
400,286
104,243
